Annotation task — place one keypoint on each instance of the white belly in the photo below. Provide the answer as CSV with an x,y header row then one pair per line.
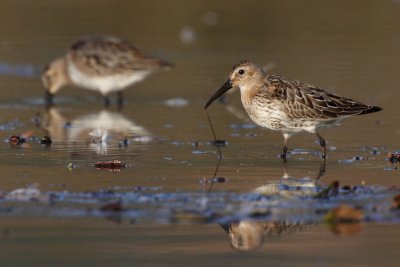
x,y
272,117
104,84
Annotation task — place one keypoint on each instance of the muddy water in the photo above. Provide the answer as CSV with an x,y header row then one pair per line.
x,y
350,48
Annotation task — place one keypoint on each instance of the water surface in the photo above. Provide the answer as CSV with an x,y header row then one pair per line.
x,y
171,215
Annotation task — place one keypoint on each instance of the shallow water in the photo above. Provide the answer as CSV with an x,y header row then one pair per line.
x,y
170,213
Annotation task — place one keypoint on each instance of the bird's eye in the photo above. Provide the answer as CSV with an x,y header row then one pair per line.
x,y
241,72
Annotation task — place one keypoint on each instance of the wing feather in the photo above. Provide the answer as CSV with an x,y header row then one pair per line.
x,y
301,100
109,56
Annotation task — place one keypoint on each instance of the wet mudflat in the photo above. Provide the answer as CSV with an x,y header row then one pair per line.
x,y
81,242
71,204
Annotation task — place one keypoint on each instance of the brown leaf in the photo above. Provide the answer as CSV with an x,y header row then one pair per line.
x,y
396,202
16,140
113,165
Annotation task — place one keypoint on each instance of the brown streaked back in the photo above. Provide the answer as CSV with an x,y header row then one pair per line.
x,y
302,100
109,56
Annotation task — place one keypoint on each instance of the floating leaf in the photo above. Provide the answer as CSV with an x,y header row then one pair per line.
x,y
113,165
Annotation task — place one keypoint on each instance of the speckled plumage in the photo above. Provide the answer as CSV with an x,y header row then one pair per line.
x,y
288,106
105,64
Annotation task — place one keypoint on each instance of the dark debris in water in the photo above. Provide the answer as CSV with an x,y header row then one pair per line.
x,y
394,158
16,140
219,143
46,140
217,180
396,202
113,165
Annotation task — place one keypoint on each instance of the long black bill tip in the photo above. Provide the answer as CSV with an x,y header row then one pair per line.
x,y
226,227
225,87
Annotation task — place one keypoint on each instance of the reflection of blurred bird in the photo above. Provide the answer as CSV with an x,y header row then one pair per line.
x,y
104,64
288,106
249,235
95,129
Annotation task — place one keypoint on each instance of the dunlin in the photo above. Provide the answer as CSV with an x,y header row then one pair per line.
x,y
104,64
288,106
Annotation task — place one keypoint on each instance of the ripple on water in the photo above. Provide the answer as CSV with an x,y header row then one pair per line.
x,y
288,201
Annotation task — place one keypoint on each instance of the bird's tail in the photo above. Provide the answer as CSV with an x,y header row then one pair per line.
x,y
159,64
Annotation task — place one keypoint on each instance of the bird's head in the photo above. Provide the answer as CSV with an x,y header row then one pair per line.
x,y
55,76
243,75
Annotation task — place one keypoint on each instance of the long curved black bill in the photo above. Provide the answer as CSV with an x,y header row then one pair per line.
x,y
221,91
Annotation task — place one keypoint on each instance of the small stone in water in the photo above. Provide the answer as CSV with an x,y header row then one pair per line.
x,y
46,140
195,143
113,165
213,180
187,35
396,202
394,158
176,102
220,180
219,143
15,140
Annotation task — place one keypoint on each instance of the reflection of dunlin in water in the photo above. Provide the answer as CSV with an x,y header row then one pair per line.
x,y
95,129
250,235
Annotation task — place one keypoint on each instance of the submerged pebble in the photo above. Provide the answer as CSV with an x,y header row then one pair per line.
x,y
46,140
394,158
213,180
113,165
220,180
187,35
243,126
176,102
198,152
16,140
142,139
219,143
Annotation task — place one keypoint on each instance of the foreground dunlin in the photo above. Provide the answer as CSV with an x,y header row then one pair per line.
x,y
104,64
288,106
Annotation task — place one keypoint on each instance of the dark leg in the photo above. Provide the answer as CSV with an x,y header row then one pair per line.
x,y
284,149
106,101
322,168
285,166
120,99
323,146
